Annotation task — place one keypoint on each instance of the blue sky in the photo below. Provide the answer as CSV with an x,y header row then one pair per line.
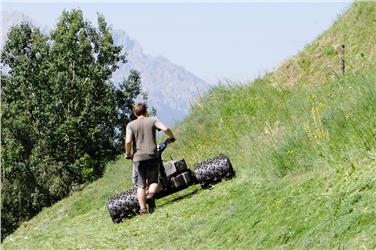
x,y
214,40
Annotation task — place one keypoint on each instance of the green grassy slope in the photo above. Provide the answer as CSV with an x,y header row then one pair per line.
x,y
305,156
318,62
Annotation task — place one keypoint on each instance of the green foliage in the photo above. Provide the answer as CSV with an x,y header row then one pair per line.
x,y
60,112
125,95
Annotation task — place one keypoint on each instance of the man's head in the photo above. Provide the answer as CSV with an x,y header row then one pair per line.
x,y
139,109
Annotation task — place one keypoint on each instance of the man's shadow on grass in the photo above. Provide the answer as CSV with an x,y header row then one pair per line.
x,y
180,197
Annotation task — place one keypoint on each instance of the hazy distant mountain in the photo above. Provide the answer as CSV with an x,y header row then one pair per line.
x,y
171,88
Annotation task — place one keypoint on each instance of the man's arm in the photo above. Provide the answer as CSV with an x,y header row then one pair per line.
x,y
128,144
166,130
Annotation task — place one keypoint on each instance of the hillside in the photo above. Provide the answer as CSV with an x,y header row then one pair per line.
x,y
304,151
319,61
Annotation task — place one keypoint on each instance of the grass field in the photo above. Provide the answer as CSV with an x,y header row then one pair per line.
x,y
304,153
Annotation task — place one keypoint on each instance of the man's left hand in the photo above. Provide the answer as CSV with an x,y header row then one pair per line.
x,y
128,156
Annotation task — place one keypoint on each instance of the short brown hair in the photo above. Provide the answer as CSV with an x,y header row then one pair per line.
x,y
139,109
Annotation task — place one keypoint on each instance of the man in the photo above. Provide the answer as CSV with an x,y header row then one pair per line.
x,y
142,134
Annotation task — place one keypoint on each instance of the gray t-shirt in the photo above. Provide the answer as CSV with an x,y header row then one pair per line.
x,y
143,132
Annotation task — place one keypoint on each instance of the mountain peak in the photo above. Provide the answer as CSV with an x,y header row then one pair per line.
x,y
121,37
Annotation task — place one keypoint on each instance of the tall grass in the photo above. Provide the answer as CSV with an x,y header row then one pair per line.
x,y
275,130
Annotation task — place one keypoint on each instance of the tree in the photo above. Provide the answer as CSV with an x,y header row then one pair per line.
x,y
128,91
62,116
24,55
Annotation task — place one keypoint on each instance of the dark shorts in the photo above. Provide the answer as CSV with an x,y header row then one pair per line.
x,y
145,172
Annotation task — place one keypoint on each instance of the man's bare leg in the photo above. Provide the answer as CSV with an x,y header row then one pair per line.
x,y
153,189
150,198
141,196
